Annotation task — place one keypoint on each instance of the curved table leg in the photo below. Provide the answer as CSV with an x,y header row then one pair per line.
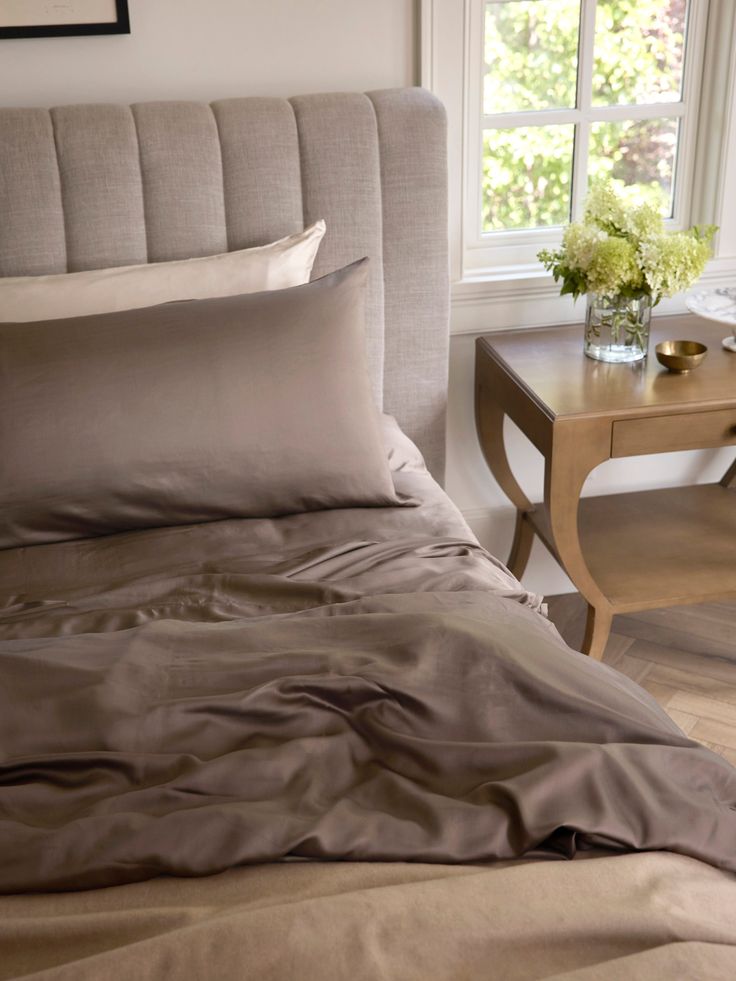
x,y
521,546
489,425
578,448
597,629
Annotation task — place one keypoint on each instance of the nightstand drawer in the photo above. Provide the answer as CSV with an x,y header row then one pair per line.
x,y
685,431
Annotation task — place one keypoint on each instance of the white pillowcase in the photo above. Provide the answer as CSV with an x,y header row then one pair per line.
x,y
279,265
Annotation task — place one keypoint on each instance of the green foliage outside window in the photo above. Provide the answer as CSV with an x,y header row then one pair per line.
x,y
531,54
526,176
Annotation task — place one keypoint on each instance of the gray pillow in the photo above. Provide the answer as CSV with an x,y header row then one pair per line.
x,y
244,406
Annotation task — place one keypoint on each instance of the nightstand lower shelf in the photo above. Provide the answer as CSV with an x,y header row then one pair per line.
x,y
657,548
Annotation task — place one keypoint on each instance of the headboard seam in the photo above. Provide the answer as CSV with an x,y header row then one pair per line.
x,y
143,183
300,160
64,221
228,236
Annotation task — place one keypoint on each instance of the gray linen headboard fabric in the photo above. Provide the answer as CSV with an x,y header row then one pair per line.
x,y
93,186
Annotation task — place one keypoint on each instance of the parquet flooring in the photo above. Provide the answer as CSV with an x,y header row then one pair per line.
x,y
684,656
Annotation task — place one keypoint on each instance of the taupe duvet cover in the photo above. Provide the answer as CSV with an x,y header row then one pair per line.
x,y
343,685
647,916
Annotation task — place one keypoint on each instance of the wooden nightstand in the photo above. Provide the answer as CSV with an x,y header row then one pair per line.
x,y
623,552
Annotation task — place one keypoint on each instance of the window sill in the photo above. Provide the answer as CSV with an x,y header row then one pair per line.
x,y
527,296
504,281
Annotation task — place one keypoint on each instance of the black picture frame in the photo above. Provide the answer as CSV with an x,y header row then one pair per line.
x,y
121,25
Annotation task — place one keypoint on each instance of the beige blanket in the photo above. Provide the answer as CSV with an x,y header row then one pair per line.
x,y
648,917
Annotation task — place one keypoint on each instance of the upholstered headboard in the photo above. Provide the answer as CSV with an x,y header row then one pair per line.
x,y
85,187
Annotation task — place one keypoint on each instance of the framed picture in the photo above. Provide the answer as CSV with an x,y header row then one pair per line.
x,y
63,18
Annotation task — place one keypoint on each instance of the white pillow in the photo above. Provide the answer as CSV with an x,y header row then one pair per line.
x,y
279,265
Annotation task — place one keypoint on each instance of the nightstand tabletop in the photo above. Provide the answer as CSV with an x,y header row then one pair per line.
x,y
549,364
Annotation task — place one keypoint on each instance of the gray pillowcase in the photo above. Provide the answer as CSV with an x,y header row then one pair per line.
x,y
245,406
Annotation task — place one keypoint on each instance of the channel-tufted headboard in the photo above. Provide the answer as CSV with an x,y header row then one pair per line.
x,y
86,187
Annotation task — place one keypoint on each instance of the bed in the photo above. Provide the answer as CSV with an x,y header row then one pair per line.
x,y
248,737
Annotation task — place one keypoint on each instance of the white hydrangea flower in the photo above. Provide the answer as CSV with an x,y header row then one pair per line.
x,y
672,263
579,243
614,267
621,247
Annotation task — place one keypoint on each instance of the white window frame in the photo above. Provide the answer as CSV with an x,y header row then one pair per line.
x,y
487,252
502,266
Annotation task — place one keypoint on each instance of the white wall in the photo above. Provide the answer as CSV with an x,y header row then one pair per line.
x,y
210,49
190,49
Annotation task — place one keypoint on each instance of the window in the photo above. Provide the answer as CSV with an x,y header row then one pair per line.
x,y
540,94
562,91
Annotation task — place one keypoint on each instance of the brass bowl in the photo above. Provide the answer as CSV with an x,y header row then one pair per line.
x,y
680,356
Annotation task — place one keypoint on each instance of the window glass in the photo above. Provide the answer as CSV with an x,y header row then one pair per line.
x,y
638,55
639,153
531,55
527,173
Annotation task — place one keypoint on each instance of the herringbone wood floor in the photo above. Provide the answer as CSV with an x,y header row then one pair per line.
x,y
684,656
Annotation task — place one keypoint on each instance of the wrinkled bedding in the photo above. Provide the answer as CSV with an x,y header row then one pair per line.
x,y
354,685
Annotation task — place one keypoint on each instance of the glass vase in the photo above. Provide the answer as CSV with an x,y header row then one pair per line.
x,y
617,327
